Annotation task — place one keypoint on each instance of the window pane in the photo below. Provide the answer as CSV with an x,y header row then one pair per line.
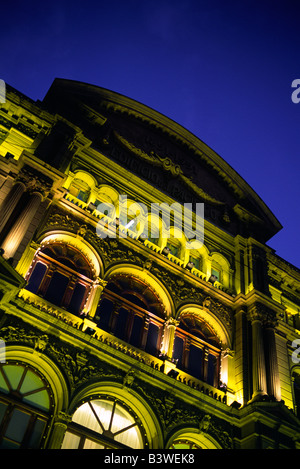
x,y
71,441
135,337
216,273
85,417
121,323
14,374
3,408
38,399
178,351
3,385
36,277
77,297
211,367
37,434
89,444
57,288
152,337
195,361
17,426
104,311
31,382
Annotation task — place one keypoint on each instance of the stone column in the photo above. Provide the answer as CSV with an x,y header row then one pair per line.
x,y
60,426
10,202
93,300
37,188
169,337
241,357
205,364
27,259
145,333
273,381
258,355
21,225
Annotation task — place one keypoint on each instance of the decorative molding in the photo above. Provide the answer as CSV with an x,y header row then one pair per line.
x,y
168,165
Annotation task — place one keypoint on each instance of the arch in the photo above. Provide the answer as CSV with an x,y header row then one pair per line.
x,y
77,242
85,177
107,195
220,268
142,410
217,325
47,368
201,440
149,279
153,228
176,242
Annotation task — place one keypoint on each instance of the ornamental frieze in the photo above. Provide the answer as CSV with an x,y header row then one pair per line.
x,y
78,366
173,414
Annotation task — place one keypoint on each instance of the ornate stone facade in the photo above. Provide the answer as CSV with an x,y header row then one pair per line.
x,y
135,341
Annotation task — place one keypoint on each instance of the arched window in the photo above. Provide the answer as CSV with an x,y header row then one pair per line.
x,y
184,444
196,259
62,275
104,423
25,403
80,189
132,312
197,349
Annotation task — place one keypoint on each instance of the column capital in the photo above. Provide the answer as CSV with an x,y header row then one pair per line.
x,y
34,181
62,418
100,282
262,313
172,322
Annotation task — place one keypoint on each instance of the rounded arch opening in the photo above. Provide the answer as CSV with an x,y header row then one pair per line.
x,y
148,278
190,439
78,243
32,390
198,344
133,412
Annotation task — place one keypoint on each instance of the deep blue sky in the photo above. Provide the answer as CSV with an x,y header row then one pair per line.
x,y
222,69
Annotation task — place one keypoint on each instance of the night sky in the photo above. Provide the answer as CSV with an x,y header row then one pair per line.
x,y
222,69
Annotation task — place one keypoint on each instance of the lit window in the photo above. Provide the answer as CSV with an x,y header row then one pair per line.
x,y
139,317
110,425
80,190
197,349
184,444
61,275
216,273
25,402
174,248
197,261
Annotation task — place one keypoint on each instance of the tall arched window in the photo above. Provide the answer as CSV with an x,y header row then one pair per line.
x,y
197,349
25,405
104,423
132,312
62,275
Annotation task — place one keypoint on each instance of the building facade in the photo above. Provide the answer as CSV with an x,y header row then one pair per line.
x,y
118,328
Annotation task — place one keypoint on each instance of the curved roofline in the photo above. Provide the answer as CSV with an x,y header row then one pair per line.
x,y
144,112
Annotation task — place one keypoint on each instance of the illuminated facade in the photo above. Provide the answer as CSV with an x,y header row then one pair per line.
x,y
136,341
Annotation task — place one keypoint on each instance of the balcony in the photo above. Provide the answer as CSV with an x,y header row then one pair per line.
x,y
95,335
